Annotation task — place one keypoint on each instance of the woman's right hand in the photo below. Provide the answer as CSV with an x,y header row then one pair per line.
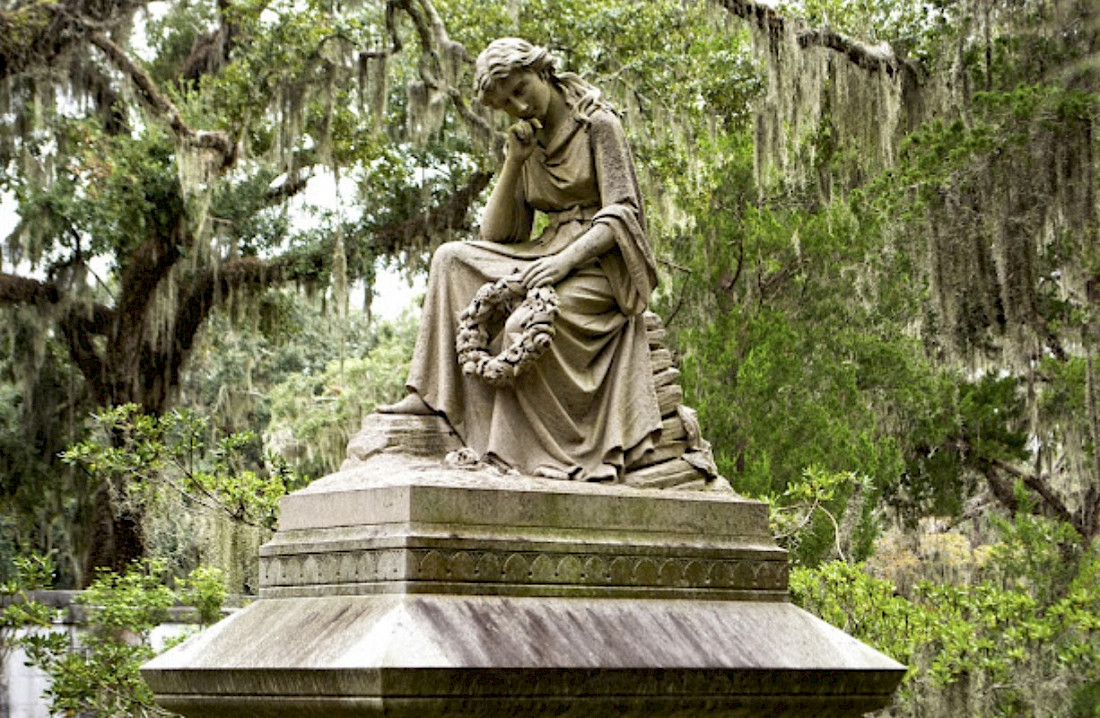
x,y
521,141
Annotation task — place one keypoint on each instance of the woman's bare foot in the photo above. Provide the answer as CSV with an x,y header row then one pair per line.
x,y
411,404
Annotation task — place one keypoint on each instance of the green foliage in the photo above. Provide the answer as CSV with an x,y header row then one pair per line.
x,y
931,330
806,518
976,423
701,67
299,375
993,646
847,597
142,455
173,35
315,413
914,28
880,332
19,611
1040,557
113,192
99,675
795,318
135,602
40,500
204,588
257,344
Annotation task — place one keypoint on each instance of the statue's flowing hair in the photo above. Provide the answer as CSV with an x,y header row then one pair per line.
x,y
510,54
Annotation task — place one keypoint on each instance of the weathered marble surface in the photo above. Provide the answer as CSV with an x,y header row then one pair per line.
x,y
407,655
394,523
397,587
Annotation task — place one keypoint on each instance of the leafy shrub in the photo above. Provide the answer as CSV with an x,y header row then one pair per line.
x,y
1002,647
98,674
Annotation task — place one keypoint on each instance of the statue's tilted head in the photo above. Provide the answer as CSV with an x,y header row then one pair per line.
x,y
511,54
507,55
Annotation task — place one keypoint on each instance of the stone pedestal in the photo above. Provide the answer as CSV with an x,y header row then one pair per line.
x,y
397,587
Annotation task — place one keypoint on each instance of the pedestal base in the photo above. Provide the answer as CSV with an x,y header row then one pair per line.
x,y
420,656
398,588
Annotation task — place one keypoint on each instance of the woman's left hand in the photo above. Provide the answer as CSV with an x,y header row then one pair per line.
x,y
546,271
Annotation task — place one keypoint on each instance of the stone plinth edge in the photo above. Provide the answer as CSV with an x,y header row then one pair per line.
x,y
493,656
395,523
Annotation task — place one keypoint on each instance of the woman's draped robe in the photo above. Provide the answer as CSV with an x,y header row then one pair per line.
x,y
587,408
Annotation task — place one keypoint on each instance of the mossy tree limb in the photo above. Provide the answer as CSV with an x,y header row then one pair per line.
x,y
871,57
36,34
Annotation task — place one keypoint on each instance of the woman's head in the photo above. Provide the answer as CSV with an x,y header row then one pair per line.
x,y
507,55
510,55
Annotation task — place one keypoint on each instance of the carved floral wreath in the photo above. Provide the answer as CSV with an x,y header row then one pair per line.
x,y
499,299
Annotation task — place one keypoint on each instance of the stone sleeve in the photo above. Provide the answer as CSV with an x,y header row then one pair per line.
x,y
621,210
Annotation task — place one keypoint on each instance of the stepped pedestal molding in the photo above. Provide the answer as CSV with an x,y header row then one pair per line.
x,y
398,587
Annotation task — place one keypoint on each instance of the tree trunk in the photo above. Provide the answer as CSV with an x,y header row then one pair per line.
x,y
118,539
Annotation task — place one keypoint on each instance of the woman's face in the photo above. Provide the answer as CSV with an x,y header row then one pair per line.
x,y
525,95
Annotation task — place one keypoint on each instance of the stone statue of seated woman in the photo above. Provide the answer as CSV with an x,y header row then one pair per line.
x,y
587,407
